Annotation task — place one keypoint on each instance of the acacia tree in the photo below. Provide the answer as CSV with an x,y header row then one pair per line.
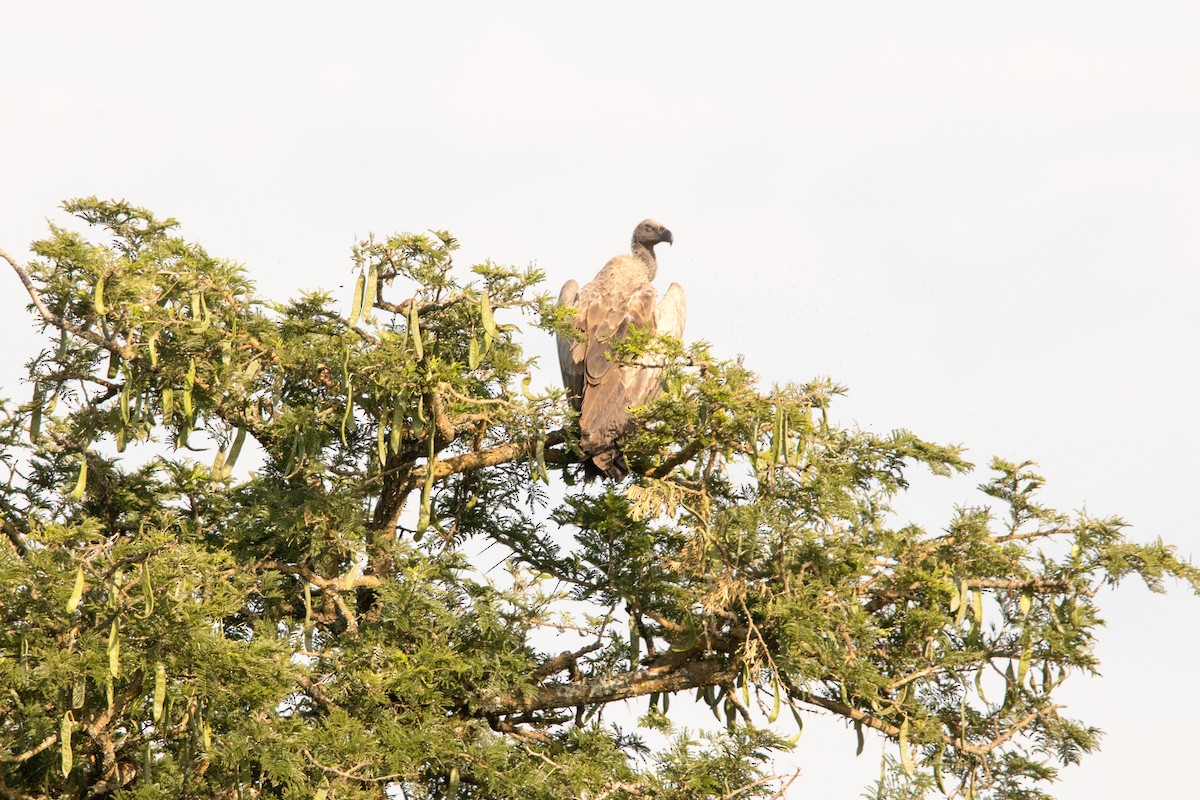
x,y
326,625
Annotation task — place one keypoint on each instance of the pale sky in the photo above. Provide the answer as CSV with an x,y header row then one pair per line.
x,y
982,218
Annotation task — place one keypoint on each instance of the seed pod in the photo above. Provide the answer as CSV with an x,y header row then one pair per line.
x,y
356,305
414,330
906,759
98,296
485,315
76,592
397,426
530,396
81,481
114,649
961,614
349,408
937,769
1026,655
147,590
381,442
369,295
426,512
539,455
235,450
168,404
35,414
473,353
160,689
64,738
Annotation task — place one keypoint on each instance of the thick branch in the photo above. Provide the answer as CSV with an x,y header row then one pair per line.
x,y
347,581
467,462
682,457
872,721
564,660
18,758
693,674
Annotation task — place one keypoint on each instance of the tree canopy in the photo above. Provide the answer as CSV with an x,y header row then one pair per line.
x,y
333,624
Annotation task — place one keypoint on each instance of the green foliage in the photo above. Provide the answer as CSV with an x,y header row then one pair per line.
x,y
331,622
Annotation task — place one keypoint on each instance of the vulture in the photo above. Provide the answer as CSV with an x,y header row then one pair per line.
x,y
619,298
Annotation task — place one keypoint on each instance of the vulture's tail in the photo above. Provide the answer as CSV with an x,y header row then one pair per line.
x,y
607,464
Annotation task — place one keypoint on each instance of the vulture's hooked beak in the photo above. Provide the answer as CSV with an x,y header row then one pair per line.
x,y
667,237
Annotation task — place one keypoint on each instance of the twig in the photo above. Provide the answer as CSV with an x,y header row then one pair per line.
x,y
50,318
20,758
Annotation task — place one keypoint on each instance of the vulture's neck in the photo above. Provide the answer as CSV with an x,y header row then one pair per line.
x,y
646,256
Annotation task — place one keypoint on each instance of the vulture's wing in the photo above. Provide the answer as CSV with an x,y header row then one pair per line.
x,y
645,380
568,362
672,311
620,298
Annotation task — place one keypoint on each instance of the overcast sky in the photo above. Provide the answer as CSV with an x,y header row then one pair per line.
x,y
982,218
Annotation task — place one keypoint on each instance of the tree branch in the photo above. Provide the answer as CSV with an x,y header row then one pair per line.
x,y
690,675
50,318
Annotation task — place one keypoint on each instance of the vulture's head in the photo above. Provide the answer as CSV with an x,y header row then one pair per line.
x,y
650,232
